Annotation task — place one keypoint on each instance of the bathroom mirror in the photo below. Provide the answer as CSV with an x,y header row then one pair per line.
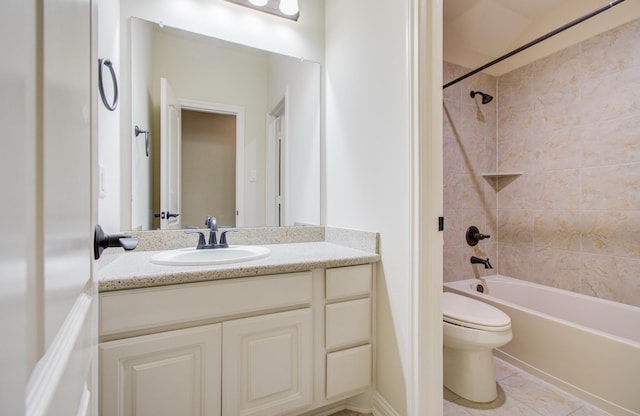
x,y
249,128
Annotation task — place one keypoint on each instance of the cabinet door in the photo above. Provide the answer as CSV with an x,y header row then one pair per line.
x,y
267,364
166,374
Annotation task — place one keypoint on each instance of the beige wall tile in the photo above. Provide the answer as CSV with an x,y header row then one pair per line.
x,y
517,194
453,228
577,112
516,260
452,264
515,226
611,187
557,268
613,278
557,190
610,96
514,124
612,142
557,72
557,230
515,154
560,149
516,90
611,232
614,50
558,109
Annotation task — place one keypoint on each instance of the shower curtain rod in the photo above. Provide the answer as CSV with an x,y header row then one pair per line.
x,y
536,41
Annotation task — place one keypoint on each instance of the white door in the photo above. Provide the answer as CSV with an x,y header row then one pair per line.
x,y
170,119
267,364
276,165
174,373
47,124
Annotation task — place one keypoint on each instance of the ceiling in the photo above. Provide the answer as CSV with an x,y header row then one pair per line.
x,y
479,31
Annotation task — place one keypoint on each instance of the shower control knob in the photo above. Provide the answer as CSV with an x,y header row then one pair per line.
x,y
474,236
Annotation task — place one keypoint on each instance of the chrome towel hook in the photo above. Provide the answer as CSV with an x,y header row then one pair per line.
x,y
137,131
108,64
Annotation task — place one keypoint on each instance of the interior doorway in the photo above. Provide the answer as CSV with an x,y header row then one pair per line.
x,y
208,179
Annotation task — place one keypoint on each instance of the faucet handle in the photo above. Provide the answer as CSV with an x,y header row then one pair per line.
x,y
474,236
223,237
201,240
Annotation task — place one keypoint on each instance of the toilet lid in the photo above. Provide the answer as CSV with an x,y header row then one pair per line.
x,y
471,313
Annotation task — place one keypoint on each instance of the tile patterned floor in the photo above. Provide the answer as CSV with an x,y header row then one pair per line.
x,y
520,394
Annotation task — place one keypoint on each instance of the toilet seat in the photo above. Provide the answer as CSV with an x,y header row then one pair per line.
x,y
470,313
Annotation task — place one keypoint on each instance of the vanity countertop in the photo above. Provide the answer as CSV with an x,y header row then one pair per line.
x,y
132,270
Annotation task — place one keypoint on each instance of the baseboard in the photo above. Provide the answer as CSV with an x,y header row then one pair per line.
x,y
381,407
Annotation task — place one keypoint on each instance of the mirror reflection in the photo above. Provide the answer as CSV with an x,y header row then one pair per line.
x,y
234,132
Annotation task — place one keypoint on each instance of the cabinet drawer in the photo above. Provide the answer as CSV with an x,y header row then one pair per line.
x,y
348,323
137,309
344,282
348,371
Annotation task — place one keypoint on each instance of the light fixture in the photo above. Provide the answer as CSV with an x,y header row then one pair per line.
x,y
288,9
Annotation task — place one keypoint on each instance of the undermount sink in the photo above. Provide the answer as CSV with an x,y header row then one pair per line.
x,y
202,257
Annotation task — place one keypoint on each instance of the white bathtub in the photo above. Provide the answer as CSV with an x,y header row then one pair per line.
x,y
587,346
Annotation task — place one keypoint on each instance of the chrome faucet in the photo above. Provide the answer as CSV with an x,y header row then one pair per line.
x,y
212,225
477,260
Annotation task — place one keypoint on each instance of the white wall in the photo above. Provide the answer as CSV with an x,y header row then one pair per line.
x,y
142,87
109,202
302,83
368,159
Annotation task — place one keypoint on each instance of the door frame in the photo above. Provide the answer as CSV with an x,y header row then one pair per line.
x,y
238,112
278,110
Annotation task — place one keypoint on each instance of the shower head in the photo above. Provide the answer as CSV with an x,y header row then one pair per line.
x,y
486,98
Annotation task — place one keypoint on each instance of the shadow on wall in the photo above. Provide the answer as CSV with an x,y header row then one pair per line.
x,y
390,380
469,198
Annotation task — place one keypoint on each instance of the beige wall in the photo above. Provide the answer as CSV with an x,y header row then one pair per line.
x,y
571,123
208,180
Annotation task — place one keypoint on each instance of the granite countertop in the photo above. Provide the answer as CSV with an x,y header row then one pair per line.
x,y
131,270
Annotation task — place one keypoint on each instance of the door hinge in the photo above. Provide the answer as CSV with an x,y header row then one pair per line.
x,y
440,223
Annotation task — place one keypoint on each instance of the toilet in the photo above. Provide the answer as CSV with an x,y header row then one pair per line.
x,y
471,330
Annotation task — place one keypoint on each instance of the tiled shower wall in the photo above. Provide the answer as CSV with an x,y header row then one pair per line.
x,y
571,123
469,146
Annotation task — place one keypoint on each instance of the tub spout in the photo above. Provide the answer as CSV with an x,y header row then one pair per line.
x,y
477,260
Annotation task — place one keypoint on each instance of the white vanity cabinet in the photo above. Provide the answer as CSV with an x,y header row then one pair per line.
x,y
258,346
177,369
